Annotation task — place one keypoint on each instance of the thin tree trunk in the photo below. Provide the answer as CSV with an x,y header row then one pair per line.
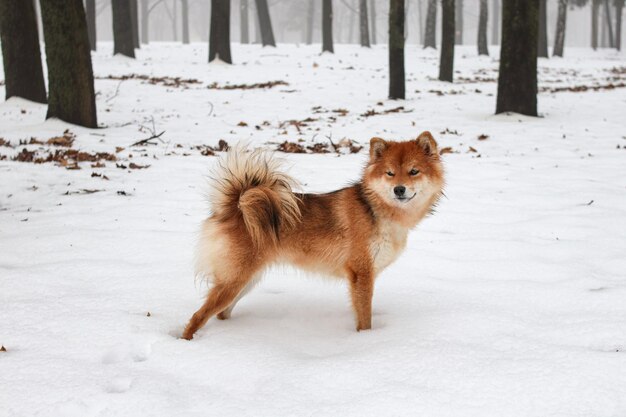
x,y
243,21
219,38
559,37
420,20
23,74
134,16
446,62
90,12
396,49
459,22
122,28
609,23
145,19
70,75
542,42
619,7
517,80
327,26
363,24
430,40
483,49
174,17
265,23
495,22
373,20
309,22
595,4
351,19
184,10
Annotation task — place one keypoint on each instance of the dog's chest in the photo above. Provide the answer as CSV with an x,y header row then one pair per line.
x,y
387,245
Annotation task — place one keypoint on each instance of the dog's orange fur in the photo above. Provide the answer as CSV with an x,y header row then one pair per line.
x,y
351,233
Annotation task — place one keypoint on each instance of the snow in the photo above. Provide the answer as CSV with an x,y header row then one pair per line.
x,y
509,301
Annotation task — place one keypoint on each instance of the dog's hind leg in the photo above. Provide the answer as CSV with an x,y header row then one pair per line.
x,y
225,314
220,297
362,291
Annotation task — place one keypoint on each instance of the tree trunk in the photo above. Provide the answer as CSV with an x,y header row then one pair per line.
x,y
265,23
243,21
619,7
363,24
609,23
219,37
594,23
430,38
145,19
174,18
184,10
446,63
134,16
373,20
396,49
458,23
309,22
420,20
559,37
542,42
517,80
495,22
482,28
23,74
70,75
327,26
122,28
90,12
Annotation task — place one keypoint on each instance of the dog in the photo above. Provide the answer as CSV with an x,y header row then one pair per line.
x,y
353,233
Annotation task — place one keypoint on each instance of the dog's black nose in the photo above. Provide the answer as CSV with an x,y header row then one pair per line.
x,y
399,190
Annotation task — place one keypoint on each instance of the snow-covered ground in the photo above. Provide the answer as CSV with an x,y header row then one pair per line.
x,y
510,301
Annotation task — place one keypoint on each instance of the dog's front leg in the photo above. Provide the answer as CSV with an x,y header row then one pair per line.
x,y
362,291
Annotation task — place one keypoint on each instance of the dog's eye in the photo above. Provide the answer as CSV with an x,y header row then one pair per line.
x,y
391,174
414,171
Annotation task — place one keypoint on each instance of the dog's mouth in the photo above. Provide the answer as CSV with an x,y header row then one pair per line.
x,y
405,199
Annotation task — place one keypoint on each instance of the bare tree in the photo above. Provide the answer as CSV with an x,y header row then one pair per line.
x,y
309,21
70,74
458,24
363,24
122,28
542,41
609,23
327,26
430,38
219,38
495,22
482,28
20,51
396,49
446,62
243,21
134,17
619,7
373,20
90,12
517,79
595,6
559,37
184,10
265,23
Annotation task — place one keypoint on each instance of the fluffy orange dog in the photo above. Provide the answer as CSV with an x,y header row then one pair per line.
x,y
351,233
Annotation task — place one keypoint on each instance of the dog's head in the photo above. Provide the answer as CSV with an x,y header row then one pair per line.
x,y
404,173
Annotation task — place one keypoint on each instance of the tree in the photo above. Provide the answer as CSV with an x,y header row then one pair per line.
x,y
90,11
446,62
327,26
265,23
542,42
609,23
458,23
430,39
363,25
243,17
483,49
373,20
70,75
219,38
595,5
134,17
619,6
20,51
184,9
559,37
517,80
396,49
495,22
122,28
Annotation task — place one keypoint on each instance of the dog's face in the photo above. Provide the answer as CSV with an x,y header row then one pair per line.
x,y
404,173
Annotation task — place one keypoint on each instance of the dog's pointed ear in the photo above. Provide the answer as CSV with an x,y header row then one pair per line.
x,y
427,143
377,147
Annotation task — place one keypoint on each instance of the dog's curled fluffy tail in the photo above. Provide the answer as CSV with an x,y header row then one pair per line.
x,y
249,186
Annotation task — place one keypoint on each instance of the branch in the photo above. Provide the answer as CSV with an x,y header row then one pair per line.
x,y
147,140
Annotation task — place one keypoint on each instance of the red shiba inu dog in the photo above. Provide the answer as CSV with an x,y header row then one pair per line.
x,y
354,233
